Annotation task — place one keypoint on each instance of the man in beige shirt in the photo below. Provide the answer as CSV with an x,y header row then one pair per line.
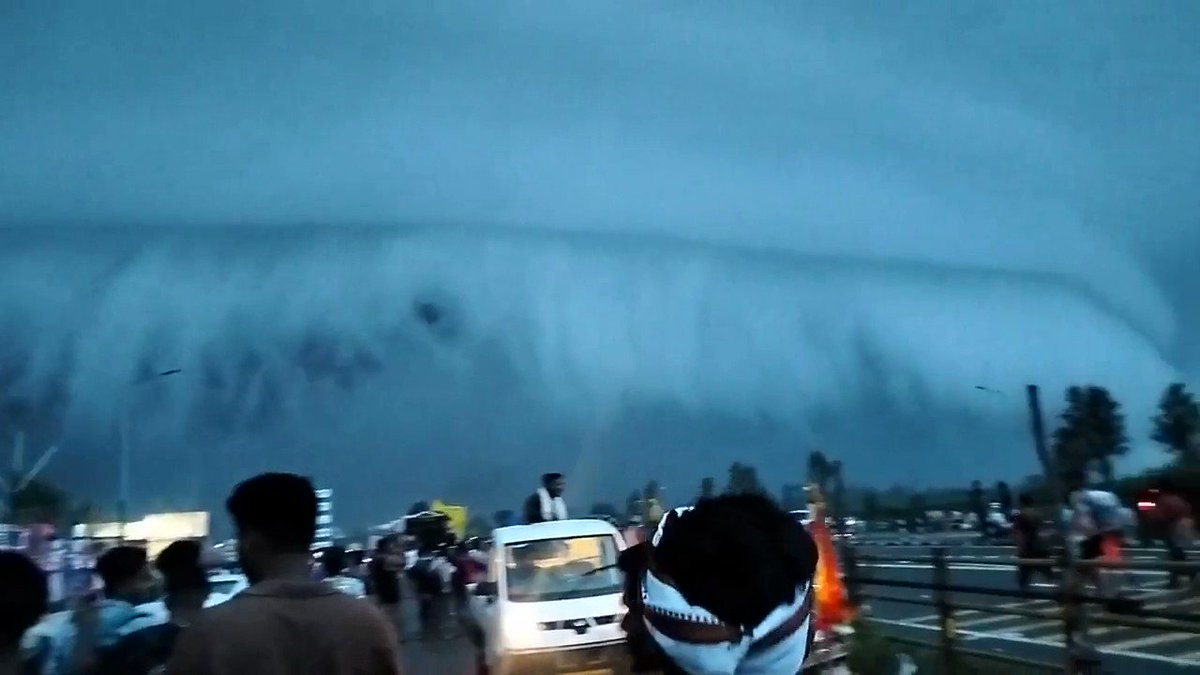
x,y
285,623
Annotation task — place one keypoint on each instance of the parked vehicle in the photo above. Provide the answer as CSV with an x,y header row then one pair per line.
x,y
551,601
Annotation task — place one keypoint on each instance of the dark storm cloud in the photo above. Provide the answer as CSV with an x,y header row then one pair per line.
x,y
949,195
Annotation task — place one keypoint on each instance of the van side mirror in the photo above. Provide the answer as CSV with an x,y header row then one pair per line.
x,y
486,589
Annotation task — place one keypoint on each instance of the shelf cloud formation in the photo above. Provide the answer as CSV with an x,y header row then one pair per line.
x,y
482,239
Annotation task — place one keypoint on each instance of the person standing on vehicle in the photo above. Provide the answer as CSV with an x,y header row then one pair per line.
x,y
284,623
1027,524
547,502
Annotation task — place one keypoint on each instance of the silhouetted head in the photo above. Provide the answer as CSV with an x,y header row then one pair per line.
x,y
388,544
727,582
184,579
554,483
1025,500
333,561
126,573
275,515
23,598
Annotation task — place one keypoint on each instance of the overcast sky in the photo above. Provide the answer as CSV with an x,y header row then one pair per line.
x,y
672,233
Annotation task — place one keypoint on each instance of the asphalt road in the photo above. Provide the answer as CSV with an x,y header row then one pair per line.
x,y
1123,650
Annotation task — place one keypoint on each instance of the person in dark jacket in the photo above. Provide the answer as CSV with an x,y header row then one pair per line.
x,y
383,580
24,595
1027,525
547,502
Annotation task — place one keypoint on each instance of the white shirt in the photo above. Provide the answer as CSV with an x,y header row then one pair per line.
x,y
348,585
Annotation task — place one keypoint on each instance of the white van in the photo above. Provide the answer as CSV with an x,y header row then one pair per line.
x,y
551,601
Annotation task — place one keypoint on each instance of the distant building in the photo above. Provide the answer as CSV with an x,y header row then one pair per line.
x,y
325,531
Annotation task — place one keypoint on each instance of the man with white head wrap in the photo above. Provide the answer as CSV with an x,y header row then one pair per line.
x,y
722,588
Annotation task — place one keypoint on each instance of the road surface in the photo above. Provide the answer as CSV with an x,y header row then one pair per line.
x,y
1123,649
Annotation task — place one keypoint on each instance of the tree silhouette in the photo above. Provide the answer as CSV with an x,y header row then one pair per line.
x,y
975,498
743,479
827,475
1092,433
1004,496
793,497
870,505
918,505
836,488
1177,424
708,487
819,470
37,502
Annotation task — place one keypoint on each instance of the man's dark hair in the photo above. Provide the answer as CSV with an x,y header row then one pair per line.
x,y
756,548
738,556
23,598
119,565
181,569
333,560
281,507
548,478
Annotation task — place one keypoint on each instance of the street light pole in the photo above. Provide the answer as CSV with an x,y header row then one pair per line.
x,y
124,460
1079,657
123,479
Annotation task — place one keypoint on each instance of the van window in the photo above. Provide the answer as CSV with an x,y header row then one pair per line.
x,y
562,569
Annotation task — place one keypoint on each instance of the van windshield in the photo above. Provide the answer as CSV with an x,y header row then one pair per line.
x,y
562,569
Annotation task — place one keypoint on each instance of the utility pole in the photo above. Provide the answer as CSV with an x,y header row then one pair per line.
x,y
124,459
1080,659
19,479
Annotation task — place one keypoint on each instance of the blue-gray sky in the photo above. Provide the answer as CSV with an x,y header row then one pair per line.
x,y
685,233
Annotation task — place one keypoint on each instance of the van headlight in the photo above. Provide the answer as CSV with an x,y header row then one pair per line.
x,y
520,627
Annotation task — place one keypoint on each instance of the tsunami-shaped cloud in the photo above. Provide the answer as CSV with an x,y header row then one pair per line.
x,y
576,326
771,214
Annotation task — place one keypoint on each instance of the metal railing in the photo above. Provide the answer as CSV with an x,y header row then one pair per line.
x,y
1075,608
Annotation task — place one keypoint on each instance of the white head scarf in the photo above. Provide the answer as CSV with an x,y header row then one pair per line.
x,y
742,657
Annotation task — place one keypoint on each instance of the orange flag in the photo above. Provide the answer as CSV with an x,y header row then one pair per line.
x,y
832,606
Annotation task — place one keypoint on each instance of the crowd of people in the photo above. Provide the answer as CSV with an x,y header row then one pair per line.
x,y
1098,527
347,618
285,622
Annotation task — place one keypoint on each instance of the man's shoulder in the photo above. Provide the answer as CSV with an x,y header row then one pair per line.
x,y
248,610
